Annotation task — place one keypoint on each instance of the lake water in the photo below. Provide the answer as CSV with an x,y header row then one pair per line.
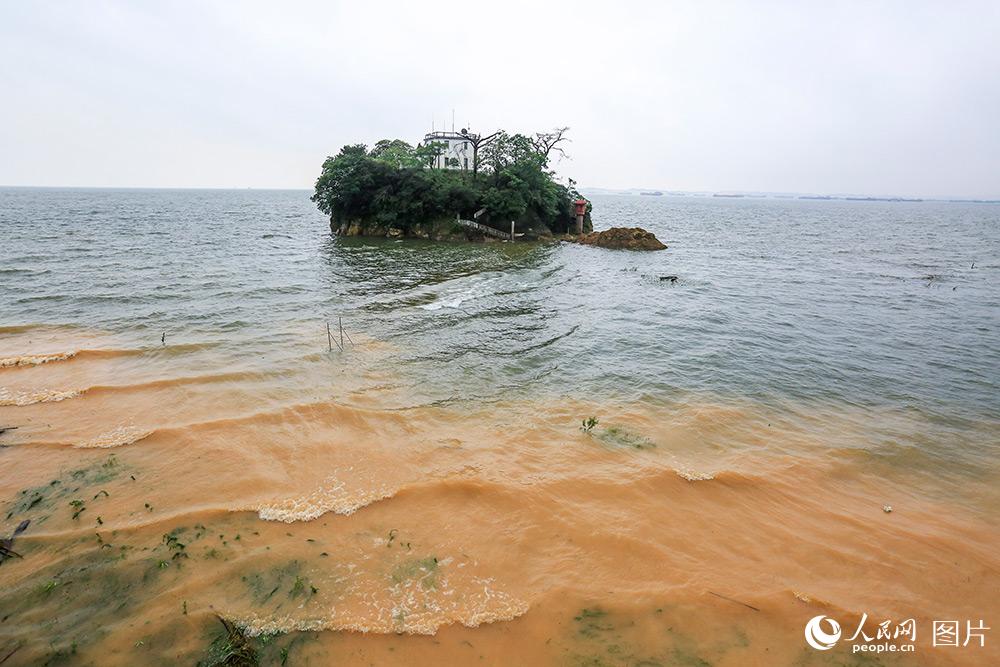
x,y
426,493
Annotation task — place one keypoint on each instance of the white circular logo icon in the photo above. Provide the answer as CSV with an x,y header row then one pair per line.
x,y
817,637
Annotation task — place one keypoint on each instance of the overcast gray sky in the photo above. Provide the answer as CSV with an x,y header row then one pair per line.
x,y
867,97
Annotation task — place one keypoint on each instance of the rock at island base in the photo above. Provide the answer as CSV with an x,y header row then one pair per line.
x,y
622,238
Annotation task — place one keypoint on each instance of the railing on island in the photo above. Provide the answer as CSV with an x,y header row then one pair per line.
x,y
489,231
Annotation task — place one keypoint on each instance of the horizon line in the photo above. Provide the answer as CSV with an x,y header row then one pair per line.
x,y
608,191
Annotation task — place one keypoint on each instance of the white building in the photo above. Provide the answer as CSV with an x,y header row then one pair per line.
x,y
457,153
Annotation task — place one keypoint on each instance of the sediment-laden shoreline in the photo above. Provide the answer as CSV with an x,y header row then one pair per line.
x,y
517,453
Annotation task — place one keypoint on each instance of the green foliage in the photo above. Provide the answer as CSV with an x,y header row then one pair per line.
x,y
393,186
510,149
396,153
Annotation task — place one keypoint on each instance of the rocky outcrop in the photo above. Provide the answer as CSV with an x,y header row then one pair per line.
x,y
622,238
528,228
447,229
440,230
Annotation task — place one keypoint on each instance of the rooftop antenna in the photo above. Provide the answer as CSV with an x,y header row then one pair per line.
x,y
453,120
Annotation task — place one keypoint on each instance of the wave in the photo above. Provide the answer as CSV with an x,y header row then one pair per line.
x,y
693,475
34,359
324,411
454,302
116,437
454,298
39,359
332,495
193,429
21,399
25,328
175,382
550,341
45,396
178,348
406,611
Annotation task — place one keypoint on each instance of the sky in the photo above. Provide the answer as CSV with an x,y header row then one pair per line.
x,y
882,98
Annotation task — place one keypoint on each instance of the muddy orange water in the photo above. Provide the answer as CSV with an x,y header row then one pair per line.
x,y
227,487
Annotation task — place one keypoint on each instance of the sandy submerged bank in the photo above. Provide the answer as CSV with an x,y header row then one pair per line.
x,y
333,528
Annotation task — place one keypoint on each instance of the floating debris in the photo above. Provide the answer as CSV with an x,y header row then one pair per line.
x,y
232,650
723,597
6,545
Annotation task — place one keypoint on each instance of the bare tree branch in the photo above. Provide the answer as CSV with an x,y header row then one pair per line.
x,y
478,141
547,142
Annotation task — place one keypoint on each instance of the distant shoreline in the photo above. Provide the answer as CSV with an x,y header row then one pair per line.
x,y
782,195
590,191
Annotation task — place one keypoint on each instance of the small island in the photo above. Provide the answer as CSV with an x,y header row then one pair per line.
x,y
451,186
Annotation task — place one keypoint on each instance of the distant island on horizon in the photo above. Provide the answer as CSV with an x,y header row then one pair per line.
x,y
729,194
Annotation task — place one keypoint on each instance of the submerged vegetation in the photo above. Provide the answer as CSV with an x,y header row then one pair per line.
x,y
614,435
283,581
391,189
42,498
618,436
232,648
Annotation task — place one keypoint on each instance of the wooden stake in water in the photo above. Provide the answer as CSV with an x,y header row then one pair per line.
x,y
329,336
340,321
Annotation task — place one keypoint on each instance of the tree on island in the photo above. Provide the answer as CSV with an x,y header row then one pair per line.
x,y
546,142
478,142
400,154
392,189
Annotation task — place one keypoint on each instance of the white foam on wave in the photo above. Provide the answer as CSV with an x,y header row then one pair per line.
x,y
125,434
694,476
332,495
406,608
455,302
455,298
34,359
21,399
417,610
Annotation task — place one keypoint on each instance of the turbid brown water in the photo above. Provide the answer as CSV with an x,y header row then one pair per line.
x,y
428,497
